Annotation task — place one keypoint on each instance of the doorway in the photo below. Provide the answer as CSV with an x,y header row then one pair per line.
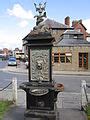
x,y
83,60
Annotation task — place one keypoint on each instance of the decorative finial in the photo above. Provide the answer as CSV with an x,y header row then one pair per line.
x,y
41,10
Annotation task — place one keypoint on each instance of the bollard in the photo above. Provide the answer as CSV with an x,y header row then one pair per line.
x,y
14,90
84,99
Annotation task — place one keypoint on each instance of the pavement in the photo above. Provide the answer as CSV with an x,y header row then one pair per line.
x,y
83,73
67,110
17,113
22,69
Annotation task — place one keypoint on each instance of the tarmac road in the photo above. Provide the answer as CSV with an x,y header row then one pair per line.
x,y
7,73
71,81
71,84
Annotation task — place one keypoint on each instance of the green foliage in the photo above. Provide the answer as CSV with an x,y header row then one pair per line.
x,y
88,109
88,117
4,106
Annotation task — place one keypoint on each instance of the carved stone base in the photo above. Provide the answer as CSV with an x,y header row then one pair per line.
x,y
40,115
30,118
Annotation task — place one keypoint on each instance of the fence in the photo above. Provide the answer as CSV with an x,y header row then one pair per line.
x,y
65,99
74,100
8,96
84,94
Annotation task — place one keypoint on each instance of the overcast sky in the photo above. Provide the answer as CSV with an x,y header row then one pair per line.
x,y
16,17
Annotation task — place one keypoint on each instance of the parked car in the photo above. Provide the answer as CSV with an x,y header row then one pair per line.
x,y
12,61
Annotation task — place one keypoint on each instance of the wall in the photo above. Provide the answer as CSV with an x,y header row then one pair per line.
x,y
74,65
77,26
57,34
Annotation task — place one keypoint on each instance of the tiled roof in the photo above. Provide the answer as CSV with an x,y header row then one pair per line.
x,y
72,41
74,32
53,24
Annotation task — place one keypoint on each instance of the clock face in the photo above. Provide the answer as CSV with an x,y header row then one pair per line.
x,y
39,64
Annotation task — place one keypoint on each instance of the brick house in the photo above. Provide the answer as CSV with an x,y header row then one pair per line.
x,y
77,25
56,29
71,50
88,37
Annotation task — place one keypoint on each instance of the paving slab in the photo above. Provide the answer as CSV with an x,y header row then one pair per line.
x,y
68,108
69,100
17,113
71,114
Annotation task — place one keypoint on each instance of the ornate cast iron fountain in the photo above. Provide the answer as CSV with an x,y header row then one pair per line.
x,y
41,94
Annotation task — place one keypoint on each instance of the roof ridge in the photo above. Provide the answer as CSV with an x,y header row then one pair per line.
x,y
55,24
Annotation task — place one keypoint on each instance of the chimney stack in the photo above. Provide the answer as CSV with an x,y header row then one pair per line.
x,y
67,21
80,20
74,22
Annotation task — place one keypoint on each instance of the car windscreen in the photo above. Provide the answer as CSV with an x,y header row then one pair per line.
x,y
12,59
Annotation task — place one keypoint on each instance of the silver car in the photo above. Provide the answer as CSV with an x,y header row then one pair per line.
x,y
12,61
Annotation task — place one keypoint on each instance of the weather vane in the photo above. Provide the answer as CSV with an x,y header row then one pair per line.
x,y
41,10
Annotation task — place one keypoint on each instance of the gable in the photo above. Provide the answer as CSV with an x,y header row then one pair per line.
x,y
80,27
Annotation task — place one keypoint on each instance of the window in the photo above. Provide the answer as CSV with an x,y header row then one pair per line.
x,y
83,60
66,36
80,60
65,57
79,30
62,57
68,57
75,36
56,57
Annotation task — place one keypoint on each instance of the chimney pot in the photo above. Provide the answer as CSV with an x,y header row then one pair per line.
x,y
67,21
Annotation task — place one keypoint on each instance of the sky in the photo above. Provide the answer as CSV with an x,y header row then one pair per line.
x,y
17,17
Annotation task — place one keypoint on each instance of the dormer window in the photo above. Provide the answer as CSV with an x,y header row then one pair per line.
x,y
75,36
66,36
72,34
79,30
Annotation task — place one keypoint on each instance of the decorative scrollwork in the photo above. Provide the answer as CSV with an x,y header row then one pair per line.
x,y
40,64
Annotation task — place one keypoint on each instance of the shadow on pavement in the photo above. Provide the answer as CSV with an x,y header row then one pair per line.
x,y
17,113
